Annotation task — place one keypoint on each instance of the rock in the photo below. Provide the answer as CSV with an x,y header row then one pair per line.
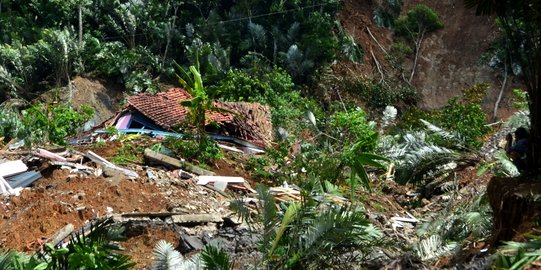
x,y
193,242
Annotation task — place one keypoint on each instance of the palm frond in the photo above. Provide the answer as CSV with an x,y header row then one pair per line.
x,y
240,209
507,166
433,247
416,157
6,260
519,119
515,255
167,258
268,213
289,215
329,233
452,137
215,259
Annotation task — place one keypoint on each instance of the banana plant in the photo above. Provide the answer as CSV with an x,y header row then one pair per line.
x,y
202,100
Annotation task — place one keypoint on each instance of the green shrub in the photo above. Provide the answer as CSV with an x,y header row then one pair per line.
x,y
466,119
132,67
273,87
204,150
398,53
53,123
354,126
41,123
378,95
419,20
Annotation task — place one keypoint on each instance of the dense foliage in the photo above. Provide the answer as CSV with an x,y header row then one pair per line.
x,y
41,123
136,41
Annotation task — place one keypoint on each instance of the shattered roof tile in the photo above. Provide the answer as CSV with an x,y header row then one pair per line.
x,y
164,108
252,121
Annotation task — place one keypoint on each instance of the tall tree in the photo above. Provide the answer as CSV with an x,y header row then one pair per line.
x,y
521,24
414,25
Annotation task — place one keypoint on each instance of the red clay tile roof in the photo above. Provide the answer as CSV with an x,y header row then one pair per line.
x,y
165,110
252,121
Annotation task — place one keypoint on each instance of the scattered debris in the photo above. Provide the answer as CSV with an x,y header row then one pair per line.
x,y
49,155
154,158
219,182
106,164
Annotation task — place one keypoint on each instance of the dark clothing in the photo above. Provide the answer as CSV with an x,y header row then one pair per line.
x,y
521,148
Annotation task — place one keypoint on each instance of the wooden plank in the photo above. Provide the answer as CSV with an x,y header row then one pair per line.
x,y
71,165
49,155
61,234
96,158
229,148
151,214
103,162
403,219
154,157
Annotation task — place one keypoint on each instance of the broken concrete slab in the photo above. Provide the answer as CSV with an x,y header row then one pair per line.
x,y
153,158
193,242
197,218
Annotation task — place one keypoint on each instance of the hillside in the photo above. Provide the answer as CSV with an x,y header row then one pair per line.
x,y
331,134
450,57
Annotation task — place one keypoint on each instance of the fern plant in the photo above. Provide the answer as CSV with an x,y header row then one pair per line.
x,y
215,259
13,260
92,249
310,233
514,255
167,258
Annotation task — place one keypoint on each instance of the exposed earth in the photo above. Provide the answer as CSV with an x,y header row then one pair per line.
x,y
61,198
447,66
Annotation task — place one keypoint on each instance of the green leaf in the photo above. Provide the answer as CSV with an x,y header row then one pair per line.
x,y
484,168
371,160
290,214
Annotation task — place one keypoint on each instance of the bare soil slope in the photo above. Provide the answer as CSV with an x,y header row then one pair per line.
x,y
450,59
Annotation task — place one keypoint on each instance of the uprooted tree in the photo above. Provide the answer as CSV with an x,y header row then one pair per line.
x,y
520,21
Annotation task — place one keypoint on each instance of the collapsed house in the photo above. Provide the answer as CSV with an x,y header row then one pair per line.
x,y
250,122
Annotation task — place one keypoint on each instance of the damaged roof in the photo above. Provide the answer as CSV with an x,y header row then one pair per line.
x,y
252,121
165,110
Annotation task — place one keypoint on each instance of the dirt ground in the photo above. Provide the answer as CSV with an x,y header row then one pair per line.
x,y
61,199
447,65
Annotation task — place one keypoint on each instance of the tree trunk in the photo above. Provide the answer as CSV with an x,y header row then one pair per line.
x,y
535,132
418,44
172,26
504,83
80,17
